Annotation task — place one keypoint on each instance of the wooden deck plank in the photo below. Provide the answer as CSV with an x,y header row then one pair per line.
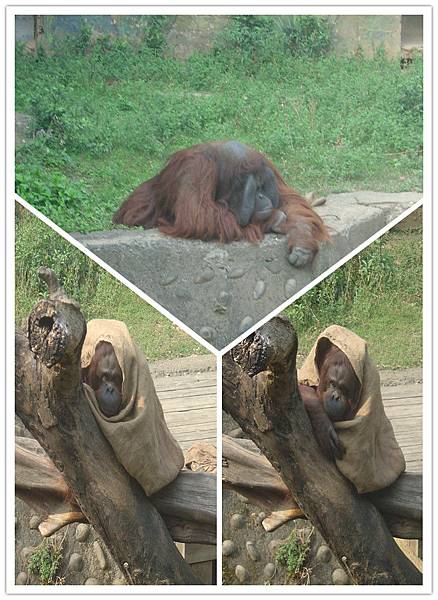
x,y
403,406
189,406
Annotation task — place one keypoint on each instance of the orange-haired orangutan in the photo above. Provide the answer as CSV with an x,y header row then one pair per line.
x,y
336,398
224,191
104,376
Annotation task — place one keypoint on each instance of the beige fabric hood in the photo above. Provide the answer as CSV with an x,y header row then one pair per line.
x,y
138,434
373,458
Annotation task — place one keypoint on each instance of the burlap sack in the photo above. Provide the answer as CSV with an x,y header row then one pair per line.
x,y
373,458
138,434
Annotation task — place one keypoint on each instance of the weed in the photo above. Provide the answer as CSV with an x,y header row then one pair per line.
x,y
292,555
45,561
106,119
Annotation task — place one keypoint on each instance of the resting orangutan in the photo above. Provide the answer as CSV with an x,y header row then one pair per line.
x,y
105,377
224,191
335,399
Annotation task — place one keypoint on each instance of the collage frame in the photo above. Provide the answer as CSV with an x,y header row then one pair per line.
x,y
429,218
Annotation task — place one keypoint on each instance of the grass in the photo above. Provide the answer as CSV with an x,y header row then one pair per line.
x,y
105,115
378,295
100,295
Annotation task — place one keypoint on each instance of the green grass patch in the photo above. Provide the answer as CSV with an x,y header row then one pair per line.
x,y
105,115
100,295
378,295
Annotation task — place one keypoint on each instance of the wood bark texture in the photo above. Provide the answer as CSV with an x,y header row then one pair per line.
x,y
52,406
260,392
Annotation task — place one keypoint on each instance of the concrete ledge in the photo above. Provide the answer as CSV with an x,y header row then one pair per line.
x,y
222,290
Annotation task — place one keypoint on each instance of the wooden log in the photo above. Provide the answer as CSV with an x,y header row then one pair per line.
x,y
51,404
249,473
187,505
260,392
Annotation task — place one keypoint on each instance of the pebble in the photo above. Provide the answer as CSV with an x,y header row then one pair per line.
x,y
21,578
91,581
253,553
99,555
340,577
82,532
245,324
34,521
26,552
206,274
269,570
240,573
237,521
290,287
208,333
323,554
274,545
168,278
259,289
75,563
228,547
236,272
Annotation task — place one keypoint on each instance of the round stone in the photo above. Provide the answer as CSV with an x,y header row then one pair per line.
x,y
21,578
274,545
237,521
76,562
100,556
340,577
82,532
119,581
240,573
323,554
34,521
26,552
91,581
290,287
245,324
208,333
228,547
206,274
269,570
259,289
253,553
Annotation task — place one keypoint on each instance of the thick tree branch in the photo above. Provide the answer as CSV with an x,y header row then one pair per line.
x,y
51,404
260,392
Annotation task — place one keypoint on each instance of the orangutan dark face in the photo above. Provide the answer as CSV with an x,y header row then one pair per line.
x,y
339,387
105,377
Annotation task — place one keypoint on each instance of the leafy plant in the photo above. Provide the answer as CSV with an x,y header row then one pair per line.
x,y
107,119
45,561
292,554
306,35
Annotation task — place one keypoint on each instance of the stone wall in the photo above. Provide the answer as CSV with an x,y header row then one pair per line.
x,y
221,290
188,33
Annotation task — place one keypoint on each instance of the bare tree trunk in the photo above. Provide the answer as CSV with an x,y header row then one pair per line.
x,y
260,392
51,404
